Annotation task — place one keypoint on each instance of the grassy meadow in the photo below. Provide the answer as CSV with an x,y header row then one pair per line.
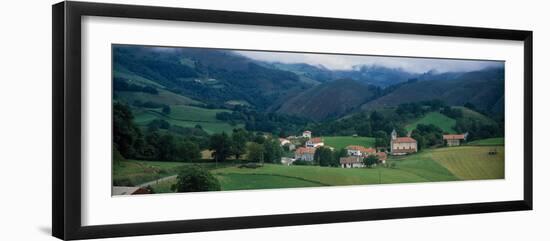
x,y
442,121
429,165
339,142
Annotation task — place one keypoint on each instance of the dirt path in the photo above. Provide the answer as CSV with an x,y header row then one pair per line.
x,y
151,183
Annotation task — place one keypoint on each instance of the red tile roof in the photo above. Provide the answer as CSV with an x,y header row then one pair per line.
x,y
361,149
404,140
350,160
454,137
382,156
305,150
316,140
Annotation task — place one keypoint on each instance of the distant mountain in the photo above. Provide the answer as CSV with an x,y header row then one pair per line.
x,y
368,74
329,100
218,77
483,88
208,75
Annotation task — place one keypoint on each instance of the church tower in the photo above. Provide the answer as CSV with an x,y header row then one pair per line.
x,y
393,135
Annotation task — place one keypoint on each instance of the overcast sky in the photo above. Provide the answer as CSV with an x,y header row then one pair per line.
x,y
346,62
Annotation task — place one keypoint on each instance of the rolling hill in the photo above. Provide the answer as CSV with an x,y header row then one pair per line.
x,y
484,89
328,100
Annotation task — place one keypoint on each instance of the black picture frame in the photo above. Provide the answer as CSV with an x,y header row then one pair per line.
x,y
66,48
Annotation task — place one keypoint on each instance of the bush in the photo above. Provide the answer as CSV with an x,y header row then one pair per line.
x,y
302,163
123,182
195,179
250,165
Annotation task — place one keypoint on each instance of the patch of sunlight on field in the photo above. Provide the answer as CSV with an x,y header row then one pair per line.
x,y
472,162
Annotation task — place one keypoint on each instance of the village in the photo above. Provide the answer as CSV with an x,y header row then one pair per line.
x,y
357,154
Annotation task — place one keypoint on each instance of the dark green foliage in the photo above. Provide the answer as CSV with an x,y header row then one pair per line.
x,y
158,124
427,135
452,112
121,84
126,135
324,157
195,179
277,124
188,151
382,139
220,144
370,160
477,130
238,141
255,152
149,104
272,150
166,110
302,163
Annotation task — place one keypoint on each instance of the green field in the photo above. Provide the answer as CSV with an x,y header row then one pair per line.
x,y
442,121
471,162
339,142
187,116
429,165
488,142
163,97
132,172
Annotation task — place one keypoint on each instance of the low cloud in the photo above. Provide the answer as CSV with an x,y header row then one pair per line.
x,y
347,62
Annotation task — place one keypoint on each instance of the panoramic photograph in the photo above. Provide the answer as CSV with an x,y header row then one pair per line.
x,y
189,119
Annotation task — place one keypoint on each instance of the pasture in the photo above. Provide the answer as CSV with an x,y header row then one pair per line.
x,y
187,116
471,162
499,141
442,121
339,142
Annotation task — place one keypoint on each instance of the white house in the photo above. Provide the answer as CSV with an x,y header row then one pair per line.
x,y
359,150
306,134
315,142
352,162
304,153
455,139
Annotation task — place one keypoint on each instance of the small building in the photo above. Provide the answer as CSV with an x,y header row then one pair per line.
x,y
382,157
315,142
306,134
287,161
283,141
354,150
402,145
120,190
455,139
304,153
352,162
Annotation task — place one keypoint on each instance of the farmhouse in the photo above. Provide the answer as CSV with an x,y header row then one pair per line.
x,y
359,150
454,139
306,134
315,142
402,145
304,153
351,162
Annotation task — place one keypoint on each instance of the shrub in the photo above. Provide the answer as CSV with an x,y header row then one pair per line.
x,y
195,179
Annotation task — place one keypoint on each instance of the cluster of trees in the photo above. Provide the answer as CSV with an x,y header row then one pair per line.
x,y
257,147
153,105
479,130
122,84
277,124
154,144
195,179
325,157
427,135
